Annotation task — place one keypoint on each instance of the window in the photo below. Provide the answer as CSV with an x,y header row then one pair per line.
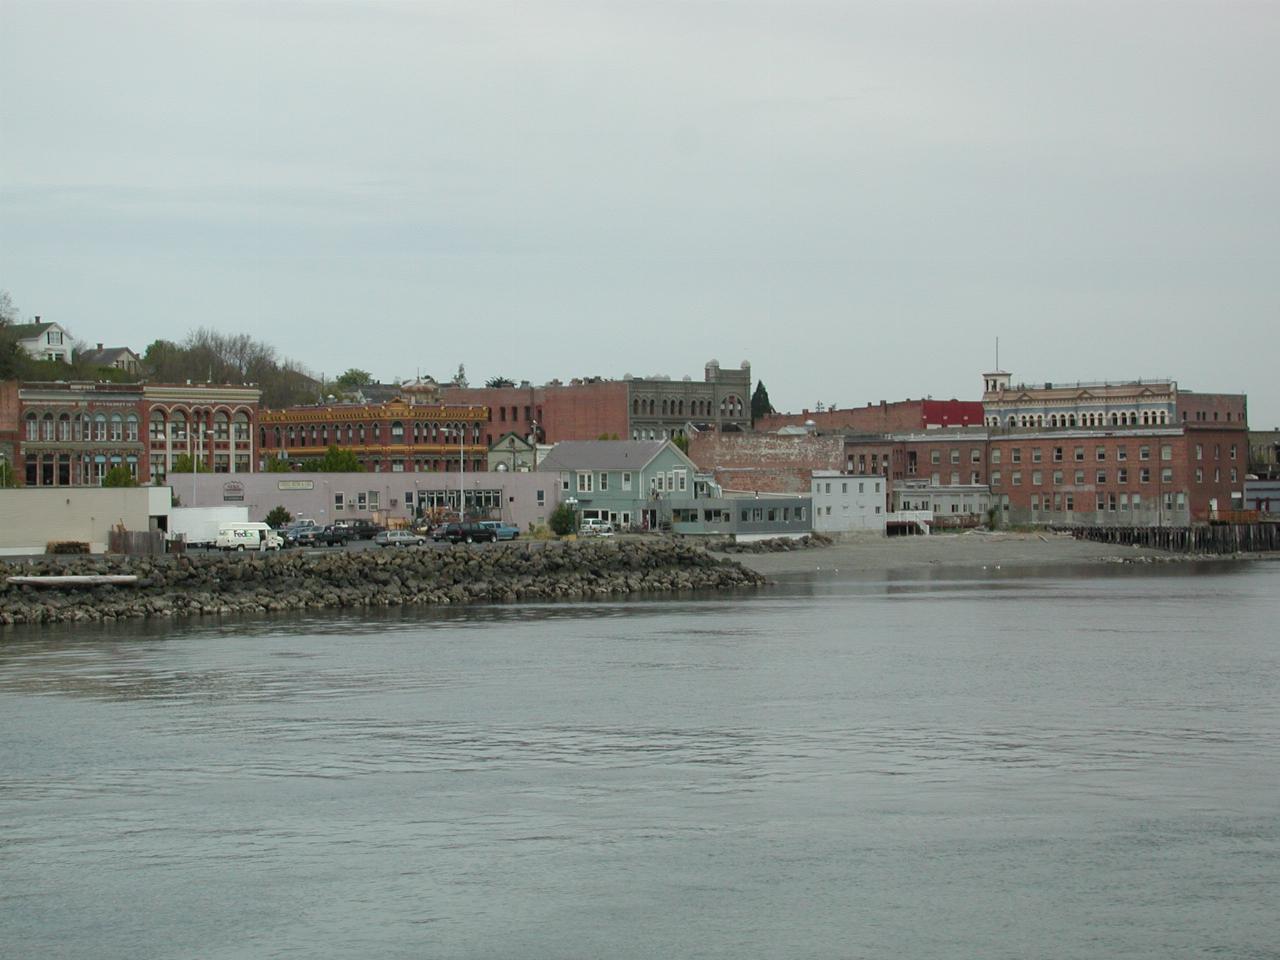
x,y
1080,454
1101,477
1144,453
542,498
1016,478
373,499
131,427
1166,451
1101,453
1057,478
1233,451
975,455
584,482
1071,501
604,481
955,478
1199,451
1121,453
1037,478
1079,477
1015,455
360,501
1199,475
682,483
1057,454
1035,455
1122,475
339,502
117,427
1144,475
995,455
995,478
1166,475
955,455
626,481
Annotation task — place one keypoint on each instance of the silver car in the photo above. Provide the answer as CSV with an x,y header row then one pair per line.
x,y
398,538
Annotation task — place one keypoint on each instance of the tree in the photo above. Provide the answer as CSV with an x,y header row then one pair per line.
x,y
276,465
119,477
682,442
8,476
278,517
354,378
563,520
499,382
760,405
184,463
335,460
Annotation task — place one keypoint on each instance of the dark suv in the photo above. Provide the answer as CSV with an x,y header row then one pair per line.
x,y
362,529
333,536
470,532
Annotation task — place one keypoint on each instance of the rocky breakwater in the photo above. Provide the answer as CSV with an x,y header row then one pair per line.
x,y
182,586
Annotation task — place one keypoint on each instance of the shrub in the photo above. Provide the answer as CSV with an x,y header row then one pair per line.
x,y
563,520
278,517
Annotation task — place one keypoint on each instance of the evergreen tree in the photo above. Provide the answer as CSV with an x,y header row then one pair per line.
x,y
760,405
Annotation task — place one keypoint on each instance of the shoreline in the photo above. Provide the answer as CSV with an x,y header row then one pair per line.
x,y
972,550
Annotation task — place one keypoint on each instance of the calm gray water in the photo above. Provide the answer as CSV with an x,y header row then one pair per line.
x,y
1072,764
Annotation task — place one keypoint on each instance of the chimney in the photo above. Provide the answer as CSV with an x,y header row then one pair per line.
x,y
99,347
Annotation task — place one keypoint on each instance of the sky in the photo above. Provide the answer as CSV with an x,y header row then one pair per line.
x,y
858,198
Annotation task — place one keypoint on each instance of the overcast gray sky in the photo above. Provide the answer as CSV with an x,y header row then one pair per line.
x,y
856,197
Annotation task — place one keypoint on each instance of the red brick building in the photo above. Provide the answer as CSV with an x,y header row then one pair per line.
x,y
73,433
1171,475
899,417
400,436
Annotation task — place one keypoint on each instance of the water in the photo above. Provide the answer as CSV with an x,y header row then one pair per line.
x,y
1060,764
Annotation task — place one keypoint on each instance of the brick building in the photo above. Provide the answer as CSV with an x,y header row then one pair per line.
x,y
636,408
417,432
73,433
766,462
900,416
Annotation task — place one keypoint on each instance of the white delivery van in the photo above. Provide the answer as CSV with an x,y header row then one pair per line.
x,y
247,536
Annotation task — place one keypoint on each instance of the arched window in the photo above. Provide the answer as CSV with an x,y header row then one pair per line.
x,y
64,427
1071,419
131,427
100,427
397,431
33,427
117,428
178,426
221,426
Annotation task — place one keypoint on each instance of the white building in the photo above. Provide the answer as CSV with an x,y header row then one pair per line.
x,y
44,341
847,502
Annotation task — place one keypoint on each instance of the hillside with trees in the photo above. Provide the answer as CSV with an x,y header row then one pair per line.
x,y
205,356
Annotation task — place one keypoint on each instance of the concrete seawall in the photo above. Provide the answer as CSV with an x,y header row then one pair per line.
x,y
185,586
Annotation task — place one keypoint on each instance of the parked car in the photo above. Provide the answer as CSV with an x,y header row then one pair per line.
x,y
361,529
592,527
502,531
398,538
333,536
293,532
469,532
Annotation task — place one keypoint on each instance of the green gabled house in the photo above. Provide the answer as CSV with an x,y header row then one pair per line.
x,y
652,485
630,483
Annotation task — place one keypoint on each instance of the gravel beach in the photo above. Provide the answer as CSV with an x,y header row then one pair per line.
x,y
972,549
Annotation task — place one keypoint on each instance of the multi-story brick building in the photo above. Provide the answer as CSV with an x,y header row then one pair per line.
x,y
636,408
661,408
73,433
417,432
